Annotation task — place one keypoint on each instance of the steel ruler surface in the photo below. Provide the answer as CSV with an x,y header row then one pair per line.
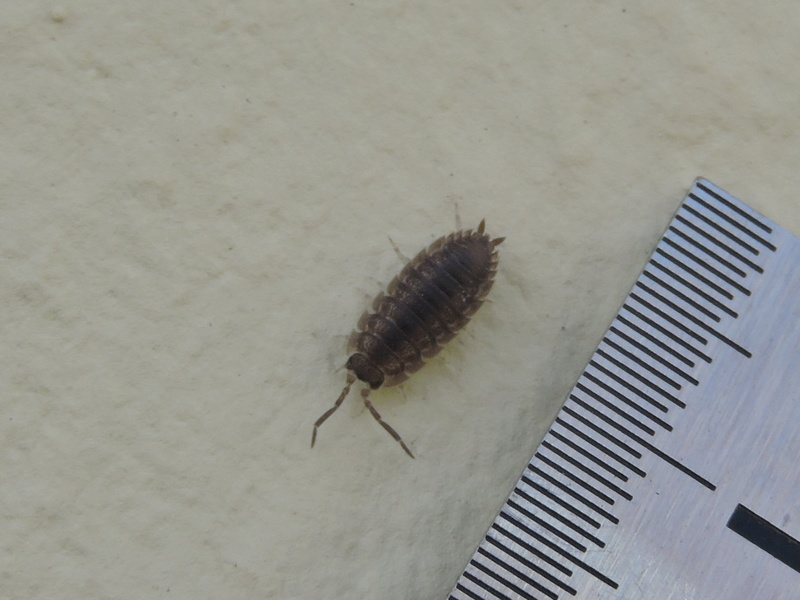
x,y
673,468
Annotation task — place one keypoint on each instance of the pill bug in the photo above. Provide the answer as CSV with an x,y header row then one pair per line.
x,y
424,307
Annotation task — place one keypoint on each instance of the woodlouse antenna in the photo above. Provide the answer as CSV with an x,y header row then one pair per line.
x,y
351,378
384,424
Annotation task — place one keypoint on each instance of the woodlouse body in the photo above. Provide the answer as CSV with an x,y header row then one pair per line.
x,y
424,307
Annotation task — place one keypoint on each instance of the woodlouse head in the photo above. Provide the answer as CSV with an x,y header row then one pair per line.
x,y
361,366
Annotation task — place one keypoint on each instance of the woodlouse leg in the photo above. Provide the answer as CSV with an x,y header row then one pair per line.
x,y
384,424
403,258
459,227
350,380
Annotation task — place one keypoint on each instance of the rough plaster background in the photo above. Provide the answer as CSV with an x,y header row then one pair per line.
x,y
196,198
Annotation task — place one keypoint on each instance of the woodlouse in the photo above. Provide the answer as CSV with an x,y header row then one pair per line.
x,y
425,305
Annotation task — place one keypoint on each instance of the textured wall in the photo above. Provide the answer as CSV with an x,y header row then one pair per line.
x,y
195,201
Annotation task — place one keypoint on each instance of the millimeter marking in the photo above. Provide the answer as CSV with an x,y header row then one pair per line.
x,y
695,382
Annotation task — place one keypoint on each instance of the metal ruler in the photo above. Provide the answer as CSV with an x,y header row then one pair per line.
x,y
673,468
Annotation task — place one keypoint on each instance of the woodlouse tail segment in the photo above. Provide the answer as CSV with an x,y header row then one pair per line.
x,y
351,378
384,424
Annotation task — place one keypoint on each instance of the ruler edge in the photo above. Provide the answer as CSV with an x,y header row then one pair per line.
x,y
730,197
699,180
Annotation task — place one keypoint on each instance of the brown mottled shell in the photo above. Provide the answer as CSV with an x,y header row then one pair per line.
x,y
424,307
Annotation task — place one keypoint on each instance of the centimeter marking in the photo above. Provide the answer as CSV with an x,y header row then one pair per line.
x,y
615,437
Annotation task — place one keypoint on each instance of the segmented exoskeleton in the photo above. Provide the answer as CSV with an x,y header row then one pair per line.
x,y
424,307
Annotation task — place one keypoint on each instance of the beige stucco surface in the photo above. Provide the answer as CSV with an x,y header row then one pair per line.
x,y
195,199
